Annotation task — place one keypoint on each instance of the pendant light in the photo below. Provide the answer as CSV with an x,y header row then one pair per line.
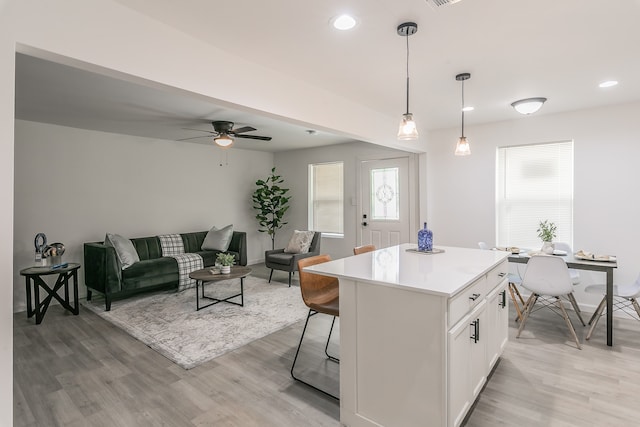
x,y
462,147
407,130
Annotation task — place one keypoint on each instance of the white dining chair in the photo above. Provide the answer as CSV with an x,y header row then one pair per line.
x,y
548,279
573,273
624,297
514,279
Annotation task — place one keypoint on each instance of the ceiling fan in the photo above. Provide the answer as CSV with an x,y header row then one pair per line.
x,y
224,133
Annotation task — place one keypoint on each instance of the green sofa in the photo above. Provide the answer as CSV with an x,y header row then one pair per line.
x,y
103,274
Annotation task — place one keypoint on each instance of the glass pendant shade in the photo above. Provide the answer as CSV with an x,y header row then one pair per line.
x,y
224,141
407,130
462,147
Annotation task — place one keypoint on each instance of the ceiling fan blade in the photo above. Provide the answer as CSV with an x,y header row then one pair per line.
x,y
200,130
243,129
195,137
261,138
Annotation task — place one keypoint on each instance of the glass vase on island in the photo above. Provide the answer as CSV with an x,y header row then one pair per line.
x,y
425,239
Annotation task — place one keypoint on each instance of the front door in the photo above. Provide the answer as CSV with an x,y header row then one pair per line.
x,y
384,211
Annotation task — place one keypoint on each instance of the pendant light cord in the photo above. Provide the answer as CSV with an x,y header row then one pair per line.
x,y
407,37
462,108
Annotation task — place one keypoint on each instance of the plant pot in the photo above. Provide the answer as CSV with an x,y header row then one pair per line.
x,y
547,248
226,269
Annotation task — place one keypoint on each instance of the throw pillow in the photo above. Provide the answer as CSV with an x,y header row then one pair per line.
x,y
300,242
126,253
218,240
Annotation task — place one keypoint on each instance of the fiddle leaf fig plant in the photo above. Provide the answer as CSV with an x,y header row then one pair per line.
x,y
272,202
546,231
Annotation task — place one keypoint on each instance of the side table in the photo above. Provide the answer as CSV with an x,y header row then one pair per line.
x,y
34,279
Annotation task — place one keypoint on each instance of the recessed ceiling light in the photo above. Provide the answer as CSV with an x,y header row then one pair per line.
x,y
344,22
608,83
469,108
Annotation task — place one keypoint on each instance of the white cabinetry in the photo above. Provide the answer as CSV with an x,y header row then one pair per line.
x,y
475,344
467,355
498,318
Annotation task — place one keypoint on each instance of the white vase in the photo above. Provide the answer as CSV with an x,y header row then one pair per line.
x,y
547,248
225,269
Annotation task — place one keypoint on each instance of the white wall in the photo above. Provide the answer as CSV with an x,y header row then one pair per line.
x,y
75,185
461,193
7,58
293,166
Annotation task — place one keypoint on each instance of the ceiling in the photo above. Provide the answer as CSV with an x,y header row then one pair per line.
x,y
513,49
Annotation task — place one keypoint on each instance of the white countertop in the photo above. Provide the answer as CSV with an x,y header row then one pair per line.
x,y
442,274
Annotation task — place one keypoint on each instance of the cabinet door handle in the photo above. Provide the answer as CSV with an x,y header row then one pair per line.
x,y
476,330
502,274
474,297
503,303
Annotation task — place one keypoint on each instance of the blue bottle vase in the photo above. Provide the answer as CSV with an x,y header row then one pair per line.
x,y
425,239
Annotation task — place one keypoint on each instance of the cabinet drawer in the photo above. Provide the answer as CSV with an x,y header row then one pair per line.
x,y
466,300
497,275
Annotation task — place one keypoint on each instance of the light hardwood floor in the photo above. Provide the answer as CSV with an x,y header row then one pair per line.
x,y
82,371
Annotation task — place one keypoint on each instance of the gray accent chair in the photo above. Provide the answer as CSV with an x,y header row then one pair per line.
x,y
278,259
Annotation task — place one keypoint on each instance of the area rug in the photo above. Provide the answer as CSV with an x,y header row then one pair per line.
x,y
169,323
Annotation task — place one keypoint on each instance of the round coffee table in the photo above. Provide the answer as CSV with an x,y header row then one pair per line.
x,y
204,276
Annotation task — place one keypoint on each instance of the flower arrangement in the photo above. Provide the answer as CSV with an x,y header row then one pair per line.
x,y
547,231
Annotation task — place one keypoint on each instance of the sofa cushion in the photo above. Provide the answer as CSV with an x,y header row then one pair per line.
x,y
209,257
281,258
193,241
125,251
300,242
151,272
147,247
218,240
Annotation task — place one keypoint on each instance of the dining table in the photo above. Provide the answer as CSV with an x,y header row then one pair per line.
x,y
572,261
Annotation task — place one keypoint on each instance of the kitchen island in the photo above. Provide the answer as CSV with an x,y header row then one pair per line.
x,y
419,333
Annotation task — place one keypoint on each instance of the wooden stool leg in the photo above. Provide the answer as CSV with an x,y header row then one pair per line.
x,y
513,290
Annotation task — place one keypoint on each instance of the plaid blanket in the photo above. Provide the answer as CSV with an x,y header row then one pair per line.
x,y
173,246
186,264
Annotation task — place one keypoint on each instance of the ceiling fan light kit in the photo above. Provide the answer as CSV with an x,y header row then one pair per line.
x,y
407,130
223,141
462,147
529,105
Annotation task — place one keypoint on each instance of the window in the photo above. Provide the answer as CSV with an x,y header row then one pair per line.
x,y
534,183
326,198
385,204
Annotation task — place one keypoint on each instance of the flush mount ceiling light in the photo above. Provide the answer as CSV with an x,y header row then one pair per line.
x,y
407,130
462,147
529,105
608,83
224,140
344,22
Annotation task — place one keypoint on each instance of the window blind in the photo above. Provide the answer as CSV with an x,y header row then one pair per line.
x,y
326,198
534,183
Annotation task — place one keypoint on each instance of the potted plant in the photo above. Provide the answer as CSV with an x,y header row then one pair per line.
x,y
226,261
546,233
271,202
